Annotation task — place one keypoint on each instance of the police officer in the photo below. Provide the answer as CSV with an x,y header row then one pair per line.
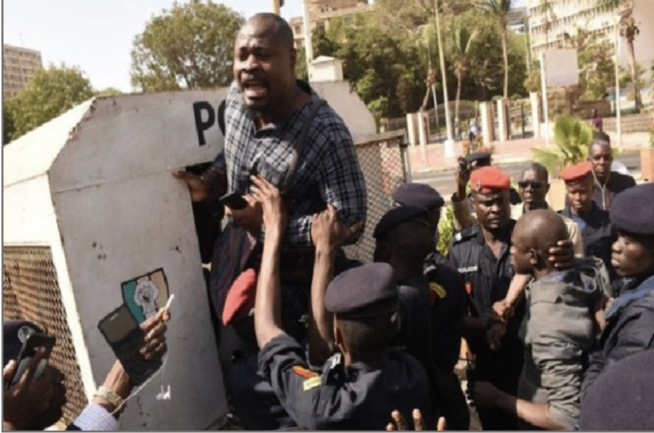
x,y
403,241
481,255
594,223
608,183
464,214
448,307
360,386
629,319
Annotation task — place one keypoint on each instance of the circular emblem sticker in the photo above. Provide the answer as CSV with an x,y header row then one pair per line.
x,y
24,333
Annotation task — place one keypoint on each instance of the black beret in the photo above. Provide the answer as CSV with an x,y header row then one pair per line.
x,y
479,159
418,194
632,210
397,216
363,292
14,334
621,397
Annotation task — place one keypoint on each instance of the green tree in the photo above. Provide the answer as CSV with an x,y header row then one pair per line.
x,y
301,65
572,137
596,68
629,30
190,46
322,45
462,40
384,68
109,91
7,123
48,93
499,10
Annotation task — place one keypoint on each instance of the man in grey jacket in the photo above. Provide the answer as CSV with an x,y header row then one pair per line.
x,y
558,330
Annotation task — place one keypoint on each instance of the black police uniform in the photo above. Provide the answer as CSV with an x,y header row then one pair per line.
x,y
597,234
630,318
488,279
604,194
363,394
621,399
629,328
413,291
448,307
414,315
359,397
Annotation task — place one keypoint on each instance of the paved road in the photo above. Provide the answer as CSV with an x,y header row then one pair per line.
x,y
444,181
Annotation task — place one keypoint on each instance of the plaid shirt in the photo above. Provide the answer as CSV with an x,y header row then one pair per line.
x,y
327,171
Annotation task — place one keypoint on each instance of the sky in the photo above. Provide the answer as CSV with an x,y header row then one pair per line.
x,y
97,35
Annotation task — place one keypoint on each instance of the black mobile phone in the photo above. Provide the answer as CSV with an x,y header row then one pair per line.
x,y
31,345
125,337
234,201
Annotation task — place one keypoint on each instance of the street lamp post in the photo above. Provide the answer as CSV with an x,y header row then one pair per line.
x,y
448,124
617,80
308,43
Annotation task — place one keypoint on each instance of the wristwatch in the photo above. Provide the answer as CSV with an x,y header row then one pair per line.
x,y
114,399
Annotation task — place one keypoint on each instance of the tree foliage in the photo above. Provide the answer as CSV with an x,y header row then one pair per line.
x,y
48,93
499,10
572,137
386,53
190,46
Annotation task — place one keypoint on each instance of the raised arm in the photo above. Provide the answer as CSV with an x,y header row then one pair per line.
x,y
267,306
328,234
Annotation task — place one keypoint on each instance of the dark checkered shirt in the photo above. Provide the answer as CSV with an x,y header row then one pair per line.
x,y
328,170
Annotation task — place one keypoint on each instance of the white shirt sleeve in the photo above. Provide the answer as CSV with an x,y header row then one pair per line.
x,y
96,417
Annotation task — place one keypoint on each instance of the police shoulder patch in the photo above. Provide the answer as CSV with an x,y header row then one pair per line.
x,y
303,372
438,289
311,383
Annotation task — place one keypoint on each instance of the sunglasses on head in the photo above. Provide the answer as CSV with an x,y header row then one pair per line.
x,y
534,185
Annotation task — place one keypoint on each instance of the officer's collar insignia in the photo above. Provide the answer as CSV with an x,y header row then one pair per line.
x,y
24,333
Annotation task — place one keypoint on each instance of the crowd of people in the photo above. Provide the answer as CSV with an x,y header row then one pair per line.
x,y
557,309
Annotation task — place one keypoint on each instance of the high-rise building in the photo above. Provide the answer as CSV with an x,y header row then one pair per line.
x,y
18,65
550,20
322,11
317,7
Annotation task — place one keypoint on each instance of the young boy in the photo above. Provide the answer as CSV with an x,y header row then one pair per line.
x,y
558,330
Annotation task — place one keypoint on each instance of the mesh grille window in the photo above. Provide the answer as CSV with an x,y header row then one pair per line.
x,y
383,164
30,291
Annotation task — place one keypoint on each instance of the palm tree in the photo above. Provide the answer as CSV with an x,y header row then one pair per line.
x,y
547,11
499,9
572,137
629,30
460,55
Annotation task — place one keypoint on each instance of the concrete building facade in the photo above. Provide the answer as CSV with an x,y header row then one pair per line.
x,y
18,65
322,11
547,25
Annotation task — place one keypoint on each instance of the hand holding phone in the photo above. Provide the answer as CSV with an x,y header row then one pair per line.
x,y
126,339
234,201
28,396
31,347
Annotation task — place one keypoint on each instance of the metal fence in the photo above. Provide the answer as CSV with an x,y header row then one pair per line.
x,y
384,163
30,291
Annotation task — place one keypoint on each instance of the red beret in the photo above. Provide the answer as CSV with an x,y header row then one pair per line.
x,y
487,179
577,172
240,298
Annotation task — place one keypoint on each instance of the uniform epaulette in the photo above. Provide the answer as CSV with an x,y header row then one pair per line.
x,y
465,234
